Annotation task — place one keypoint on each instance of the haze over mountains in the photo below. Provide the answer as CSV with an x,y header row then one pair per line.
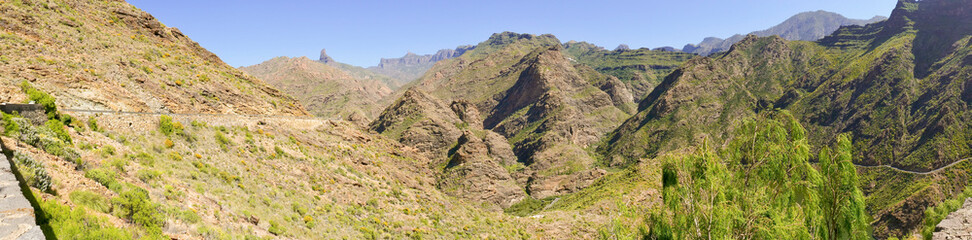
x,y
806,26
859,132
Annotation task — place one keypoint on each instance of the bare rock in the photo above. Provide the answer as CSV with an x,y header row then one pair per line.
x,y
958,225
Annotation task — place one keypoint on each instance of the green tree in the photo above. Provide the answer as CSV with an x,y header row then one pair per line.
x,y
761,186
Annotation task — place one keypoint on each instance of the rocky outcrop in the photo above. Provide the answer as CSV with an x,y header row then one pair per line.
x,y
324,58
17,219
473,174
527,113
958,225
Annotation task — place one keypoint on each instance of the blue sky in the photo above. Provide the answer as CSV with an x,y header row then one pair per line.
x,y
360,32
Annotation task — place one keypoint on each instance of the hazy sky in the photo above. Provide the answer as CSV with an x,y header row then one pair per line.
x,y
360,32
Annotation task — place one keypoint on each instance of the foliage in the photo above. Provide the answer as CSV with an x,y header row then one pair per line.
x,y
761,186
9,126
91,200
93,124
33,171
169,127
105,177
134,204
68,223
40,97
936,214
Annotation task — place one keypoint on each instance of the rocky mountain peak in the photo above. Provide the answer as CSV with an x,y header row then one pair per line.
x,y
325,58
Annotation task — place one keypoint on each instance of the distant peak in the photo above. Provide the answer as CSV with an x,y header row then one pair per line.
x,y
622,47
325,58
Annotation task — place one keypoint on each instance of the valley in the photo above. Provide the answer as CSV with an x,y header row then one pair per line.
x,y
821,127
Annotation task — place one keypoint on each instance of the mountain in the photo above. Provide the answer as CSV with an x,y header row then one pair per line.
x,y
231,158
806,26
510,120
121,59
897,87
412,66
325,90
639,69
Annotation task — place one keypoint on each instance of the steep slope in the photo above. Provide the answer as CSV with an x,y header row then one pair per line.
x,y
412,66
899,87
119,175
112,56
805,26
326,91
639,69
521,97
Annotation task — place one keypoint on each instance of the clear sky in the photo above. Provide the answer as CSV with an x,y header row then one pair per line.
x,y
360,32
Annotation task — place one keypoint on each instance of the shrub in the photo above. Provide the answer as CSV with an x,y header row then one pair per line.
x,y
148,175
68,223
58,130
93,124
33,172
169,127
105,177
275,228
168,143
40,97
135,205
91,200
9,126
223,141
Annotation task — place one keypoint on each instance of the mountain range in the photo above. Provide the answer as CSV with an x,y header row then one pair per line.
x,y
806,26
821,127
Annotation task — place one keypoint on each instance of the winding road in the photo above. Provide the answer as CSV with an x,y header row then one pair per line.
x,y
933,171
188,114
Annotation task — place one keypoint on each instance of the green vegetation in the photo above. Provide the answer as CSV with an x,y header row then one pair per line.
x,y
40,97
936,214
134,204
33,171
68,223
91,201
762,186
527,206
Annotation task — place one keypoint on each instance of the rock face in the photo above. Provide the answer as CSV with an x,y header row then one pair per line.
x,y
806,26
412,66
958,225
520,114
17,219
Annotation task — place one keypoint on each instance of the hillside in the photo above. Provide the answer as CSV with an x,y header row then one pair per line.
x,y
112,56
509,120
899,88
325,90
412,66
206,171
639,69
806,26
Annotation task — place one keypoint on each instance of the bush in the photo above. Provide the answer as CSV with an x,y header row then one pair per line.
x,y
148,175
33,172
67,223
169,127
9,126
275,228
91,200
105,177
168,143
40,97
93,124
58,130
135,205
